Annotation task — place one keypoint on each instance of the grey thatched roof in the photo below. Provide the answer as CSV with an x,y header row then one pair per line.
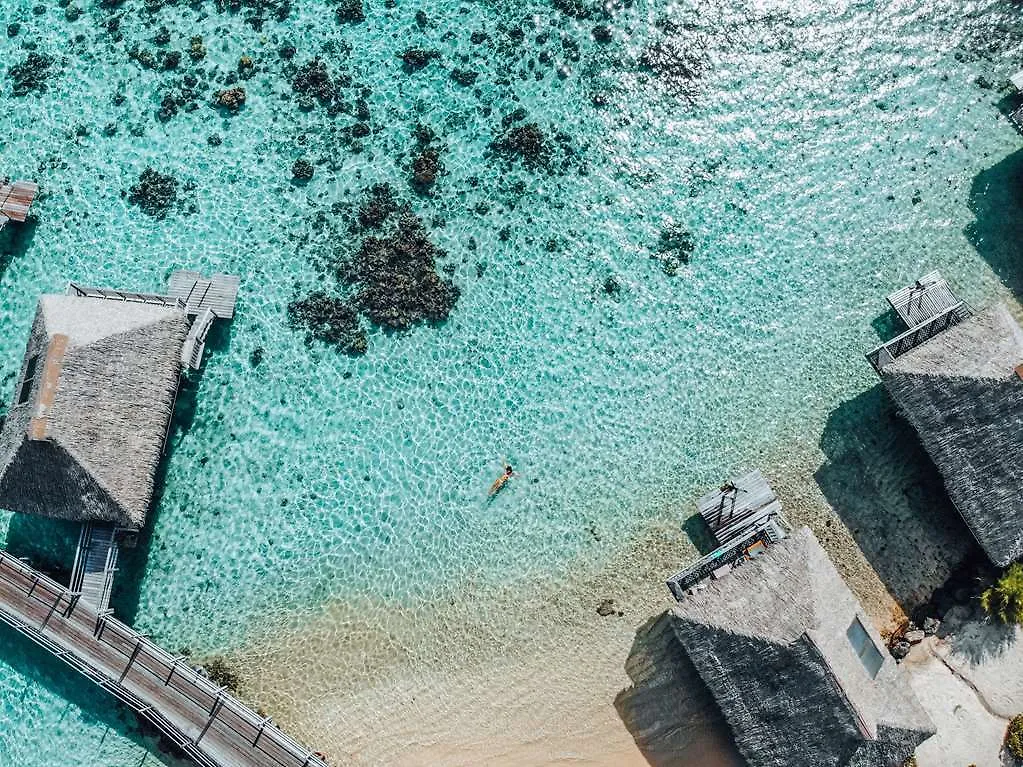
x,y
770,642
87,440
960,392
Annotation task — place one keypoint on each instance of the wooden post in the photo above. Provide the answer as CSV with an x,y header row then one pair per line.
x,y
53,608
173,668
213,715
134,655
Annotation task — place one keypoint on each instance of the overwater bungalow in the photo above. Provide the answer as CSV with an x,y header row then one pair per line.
x,y
795,665
955,375
86,428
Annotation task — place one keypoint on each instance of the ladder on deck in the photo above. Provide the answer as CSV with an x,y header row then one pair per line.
x,y
92,576
195,341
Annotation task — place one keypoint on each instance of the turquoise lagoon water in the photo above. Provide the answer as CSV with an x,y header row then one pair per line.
x,y
825,153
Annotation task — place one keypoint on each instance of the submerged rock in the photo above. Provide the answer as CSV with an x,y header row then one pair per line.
x,y
328,319
302,170
425,168
31,74
313,81
350,12
674,248
395,276
231,99
155,193
415,59
378,206
526,142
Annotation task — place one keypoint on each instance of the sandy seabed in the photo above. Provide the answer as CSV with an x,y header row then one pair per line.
x,y
530,675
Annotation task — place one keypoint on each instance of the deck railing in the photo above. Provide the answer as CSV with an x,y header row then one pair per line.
x,y
912,338
729,554
74,289
239,728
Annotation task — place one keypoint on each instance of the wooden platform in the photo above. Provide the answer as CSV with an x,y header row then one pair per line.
x,y
218,293
92,575
927,308
206,722
16,200
918,303
745,517
738,505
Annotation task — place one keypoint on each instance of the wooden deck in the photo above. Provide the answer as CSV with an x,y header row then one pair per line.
x,y
745,516
16,200
218,293
206,722
927,308
918,303
195,342
738,505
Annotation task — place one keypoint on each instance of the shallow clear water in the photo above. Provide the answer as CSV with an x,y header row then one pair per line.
x,y
826,154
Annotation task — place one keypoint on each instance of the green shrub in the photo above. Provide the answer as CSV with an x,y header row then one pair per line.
x,y
1005,599
1014,737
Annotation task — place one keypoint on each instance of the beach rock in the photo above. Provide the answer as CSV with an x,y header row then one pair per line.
x,y
900,650
329,319
414,59
931,626
914,637
230,99
155,193
30,75
606,608
350,12
302,170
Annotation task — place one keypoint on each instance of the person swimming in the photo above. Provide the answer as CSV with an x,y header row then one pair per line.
x,y
499,482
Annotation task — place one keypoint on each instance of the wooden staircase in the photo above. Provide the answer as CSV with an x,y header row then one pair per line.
x,y
92,576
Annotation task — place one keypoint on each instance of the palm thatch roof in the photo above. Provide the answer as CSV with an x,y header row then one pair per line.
x,y
961,392
85,431
795,666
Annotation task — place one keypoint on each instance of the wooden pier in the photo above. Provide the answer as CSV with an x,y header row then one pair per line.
x,y
16,200
744,516
926,308
206,722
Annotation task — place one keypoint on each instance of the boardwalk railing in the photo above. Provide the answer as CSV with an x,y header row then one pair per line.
x,y
912,338
206,722
729,554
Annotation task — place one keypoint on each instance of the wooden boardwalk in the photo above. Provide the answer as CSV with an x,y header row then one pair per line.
x,y
16,200
738,505
218,293
205,721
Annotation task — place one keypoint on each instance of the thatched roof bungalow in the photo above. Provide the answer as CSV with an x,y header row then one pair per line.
x,y
795,665
962,392
91,409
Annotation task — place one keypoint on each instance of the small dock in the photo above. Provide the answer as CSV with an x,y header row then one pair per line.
x,y
16,200
926,308
744,516
218,293
92,576
205,721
